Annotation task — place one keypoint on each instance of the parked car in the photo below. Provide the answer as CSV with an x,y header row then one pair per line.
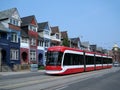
x,y
116,64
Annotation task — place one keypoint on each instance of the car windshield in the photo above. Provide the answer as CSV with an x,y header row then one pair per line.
x,y
54,58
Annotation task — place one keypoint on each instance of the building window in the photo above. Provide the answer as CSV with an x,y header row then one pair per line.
x,y
14,37
40,43
46,32
14,22
32,55
3,35
33,28
14,54
46,44
33,41
24,40
57,36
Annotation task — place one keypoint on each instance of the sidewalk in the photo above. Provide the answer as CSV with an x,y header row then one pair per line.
x,y
19,72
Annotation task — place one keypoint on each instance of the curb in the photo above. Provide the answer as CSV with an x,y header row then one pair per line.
x,y
20,72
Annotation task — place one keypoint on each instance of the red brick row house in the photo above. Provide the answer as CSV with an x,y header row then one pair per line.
x,y
29,40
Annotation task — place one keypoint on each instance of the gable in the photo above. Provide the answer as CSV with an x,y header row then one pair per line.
x,y
10,13
33,22
64,34
43,26
54,29
47,27
15,15
29,20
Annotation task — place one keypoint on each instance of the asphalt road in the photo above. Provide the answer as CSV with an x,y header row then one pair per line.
x,y
107,79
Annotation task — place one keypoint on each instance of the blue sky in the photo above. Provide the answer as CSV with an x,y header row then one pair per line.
x,y
96,21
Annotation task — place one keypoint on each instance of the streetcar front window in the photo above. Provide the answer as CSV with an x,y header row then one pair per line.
x,y
54,58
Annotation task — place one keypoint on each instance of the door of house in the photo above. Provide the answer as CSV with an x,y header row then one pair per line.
x,y
3,57
40,59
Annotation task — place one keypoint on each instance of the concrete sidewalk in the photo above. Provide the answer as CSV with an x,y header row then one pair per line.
x,y
19,72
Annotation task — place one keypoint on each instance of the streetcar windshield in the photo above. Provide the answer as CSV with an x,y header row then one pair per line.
x,y
54,58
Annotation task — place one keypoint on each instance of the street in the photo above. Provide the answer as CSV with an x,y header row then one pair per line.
x,y
106,82
107,79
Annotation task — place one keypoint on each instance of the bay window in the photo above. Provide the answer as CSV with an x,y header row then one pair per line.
x,y
33,28
15,22
24,40
14,37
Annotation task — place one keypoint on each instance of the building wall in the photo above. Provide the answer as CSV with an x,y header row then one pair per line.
x,y
6,45
116,56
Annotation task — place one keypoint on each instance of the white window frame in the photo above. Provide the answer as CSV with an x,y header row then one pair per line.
x,y
33,28
40,43
46,32
24,40
57,36
33,55
33,41
14,21
14,37
46,43
14,54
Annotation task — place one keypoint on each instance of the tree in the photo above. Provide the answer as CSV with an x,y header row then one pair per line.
x,y
65,42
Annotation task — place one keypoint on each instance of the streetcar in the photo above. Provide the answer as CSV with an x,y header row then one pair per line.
x,y
65,60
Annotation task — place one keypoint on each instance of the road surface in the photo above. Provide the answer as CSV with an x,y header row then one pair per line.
x,y
107,79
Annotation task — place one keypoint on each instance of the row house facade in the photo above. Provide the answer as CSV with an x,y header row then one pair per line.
x,y
29,37
55,36
44,40
10,22
75,42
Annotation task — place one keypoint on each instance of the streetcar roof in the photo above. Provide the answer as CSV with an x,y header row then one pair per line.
x,y
62,49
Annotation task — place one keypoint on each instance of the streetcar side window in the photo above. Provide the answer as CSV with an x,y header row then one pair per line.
x,y
98,60
73,59
110,61
66,59
89,60
105,60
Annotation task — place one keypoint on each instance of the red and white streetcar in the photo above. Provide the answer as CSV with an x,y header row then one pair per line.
x,y
65,60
